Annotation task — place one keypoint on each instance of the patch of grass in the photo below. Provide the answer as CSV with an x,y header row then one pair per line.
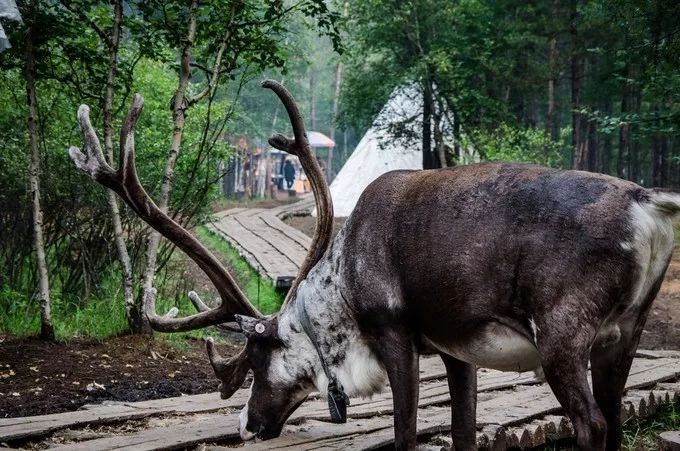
x,y
260,290
100,317
641,434
102,314
638,435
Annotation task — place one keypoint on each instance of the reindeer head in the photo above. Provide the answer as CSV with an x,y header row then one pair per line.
x,y
274,394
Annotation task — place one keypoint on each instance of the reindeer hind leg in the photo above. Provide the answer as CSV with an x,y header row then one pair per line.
x,y
462,379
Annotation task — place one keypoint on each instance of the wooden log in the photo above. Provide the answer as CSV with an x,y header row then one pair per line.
x,y
492,437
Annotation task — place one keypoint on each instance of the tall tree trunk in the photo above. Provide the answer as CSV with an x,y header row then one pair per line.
x,y
551,130
577,138
178,118
336,101
456,136
439,145
312,98
624,132
133,313
592,147
606,151
634,160
428,158
46,327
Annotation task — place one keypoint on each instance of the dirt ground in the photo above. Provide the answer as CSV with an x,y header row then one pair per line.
x,y
662,330
39,378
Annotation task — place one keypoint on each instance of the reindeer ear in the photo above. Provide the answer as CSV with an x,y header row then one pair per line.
x,y
257,327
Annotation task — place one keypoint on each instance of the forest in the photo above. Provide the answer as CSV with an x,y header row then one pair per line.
x,y
585,84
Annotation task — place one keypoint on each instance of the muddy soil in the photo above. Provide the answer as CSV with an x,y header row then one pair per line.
x,y
38,378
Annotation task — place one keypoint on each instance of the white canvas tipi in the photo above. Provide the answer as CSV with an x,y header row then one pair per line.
x,y
377,153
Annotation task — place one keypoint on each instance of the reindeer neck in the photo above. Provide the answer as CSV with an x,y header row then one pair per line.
x,y
335,332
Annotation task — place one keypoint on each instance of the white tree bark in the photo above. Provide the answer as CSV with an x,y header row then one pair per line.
x,y
180,104
133,313
336,100
46,327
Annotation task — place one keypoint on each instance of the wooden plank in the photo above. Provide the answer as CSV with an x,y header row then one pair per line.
x,y
177,436
669,441
259,254
373,433
286,247
511,408
274,222
506,408
250,258
302,207
229,212
431,394
12,429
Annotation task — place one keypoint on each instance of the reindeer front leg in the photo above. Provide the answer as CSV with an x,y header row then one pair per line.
x,y
462,379
398,354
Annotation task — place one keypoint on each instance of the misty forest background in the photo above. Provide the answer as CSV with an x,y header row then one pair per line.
x,y
593,85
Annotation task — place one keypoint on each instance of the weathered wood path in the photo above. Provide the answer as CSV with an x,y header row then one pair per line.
x,y
514,409
275,249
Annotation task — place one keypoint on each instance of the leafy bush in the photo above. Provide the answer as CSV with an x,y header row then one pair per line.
x,y
510,143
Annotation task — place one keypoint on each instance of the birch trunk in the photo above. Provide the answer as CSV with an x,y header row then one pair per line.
x,y
133,313
178,116
336,99
46,327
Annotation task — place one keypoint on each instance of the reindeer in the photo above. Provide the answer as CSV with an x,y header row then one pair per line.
x,y
505,266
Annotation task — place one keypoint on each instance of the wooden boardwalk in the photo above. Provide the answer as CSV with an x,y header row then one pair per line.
x,y
275,249
514,409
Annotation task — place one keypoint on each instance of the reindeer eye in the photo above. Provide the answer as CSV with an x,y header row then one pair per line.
x,y
259,328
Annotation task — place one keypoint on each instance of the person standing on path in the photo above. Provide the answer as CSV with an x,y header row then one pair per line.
x,y
289,173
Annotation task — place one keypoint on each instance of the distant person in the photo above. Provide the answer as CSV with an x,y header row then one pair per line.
x,y
289,173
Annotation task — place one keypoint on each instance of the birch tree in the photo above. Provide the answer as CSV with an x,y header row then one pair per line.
x,y
46,327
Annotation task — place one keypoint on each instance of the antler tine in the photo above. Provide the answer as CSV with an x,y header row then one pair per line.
x,y
230,372
322,197
203,307
127,185
92,162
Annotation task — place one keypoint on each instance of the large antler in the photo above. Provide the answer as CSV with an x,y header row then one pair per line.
x,y
125,182
299,146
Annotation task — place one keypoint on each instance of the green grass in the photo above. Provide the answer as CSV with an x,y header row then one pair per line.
x,y
260,290
638,435
102,315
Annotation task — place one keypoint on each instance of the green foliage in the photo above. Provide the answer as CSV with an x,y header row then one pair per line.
x,y
260,291
102,315
491,64
508,143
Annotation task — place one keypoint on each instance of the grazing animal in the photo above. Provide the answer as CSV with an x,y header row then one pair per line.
x,y
505,266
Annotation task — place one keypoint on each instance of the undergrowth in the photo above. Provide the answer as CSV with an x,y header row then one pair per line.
x,y
102,314
638,434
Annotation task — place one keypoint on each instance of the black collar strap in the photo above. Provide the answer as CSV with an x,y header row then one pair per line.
x,y
337,398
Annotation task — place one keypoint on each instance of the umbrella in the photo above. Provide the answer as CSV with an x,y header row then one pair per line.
x,y
318,139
